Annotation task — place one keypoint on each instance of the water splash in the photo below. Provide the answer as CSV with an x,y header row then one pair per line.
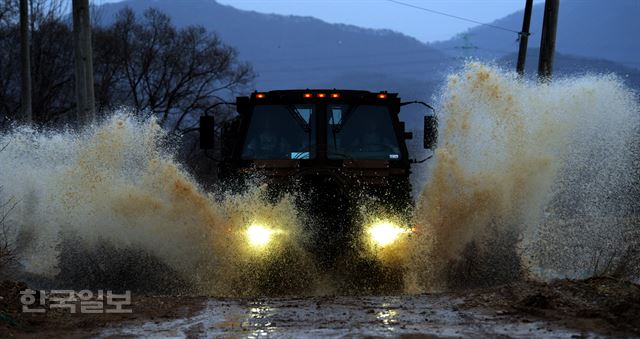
x,y
116,183
528,178
515,160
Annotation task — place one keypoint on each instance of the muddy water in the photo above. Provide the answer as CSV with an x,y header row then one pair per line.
x,y
437,315
527,178
516,161
115,185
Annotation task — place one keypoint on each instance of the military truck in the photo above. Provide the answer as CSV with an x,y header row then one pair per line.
x,y
344,149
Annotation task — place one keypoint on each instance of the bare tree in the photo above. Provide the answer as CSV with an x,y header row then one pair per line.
x,y
142,62
51,62
7,250
47,11
8,11
52,56
9,72
156,68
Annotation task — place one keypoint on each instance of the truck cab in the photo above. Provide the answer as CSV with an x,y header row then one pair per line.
x,y
342,148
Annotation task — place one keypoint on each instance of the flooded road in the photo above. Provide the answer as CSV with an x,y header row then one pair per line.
x,y
595,307
434,315
530,182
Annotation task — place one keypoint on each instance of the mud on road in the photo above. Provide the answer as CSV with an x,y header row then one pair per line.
x,y
597,306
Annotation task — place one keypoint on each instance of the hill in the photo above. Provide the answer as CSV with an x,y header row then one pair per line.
x,y
595,29
568,65
304,52
291,51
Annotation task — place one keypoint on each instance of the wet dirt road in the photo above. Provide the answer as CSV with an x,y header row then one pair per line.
x,y
431,315
594,307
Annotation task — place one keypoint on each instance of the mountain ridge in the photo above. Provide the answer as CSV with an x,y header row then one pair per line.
x,y
290,51
587,28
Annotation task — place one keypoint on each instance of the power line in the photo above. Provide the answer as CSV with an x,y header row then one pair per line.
x,y
452,16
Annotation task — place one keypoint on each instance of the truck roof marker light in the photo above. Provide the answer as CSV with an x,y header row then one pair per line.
x,y
335,95
260,95
382,96
321,95
308,95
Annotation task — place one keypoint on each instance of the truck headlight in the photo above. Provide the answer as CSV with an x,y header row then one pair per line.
x,y
259,235
385,233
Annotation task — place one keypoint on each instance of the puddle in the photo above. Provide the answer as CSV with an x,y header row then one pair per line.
x,y
342,316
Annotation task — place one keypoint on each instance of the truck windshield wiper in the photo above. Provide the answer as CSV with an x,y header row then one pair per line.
x,y
335,128
345,117
298,118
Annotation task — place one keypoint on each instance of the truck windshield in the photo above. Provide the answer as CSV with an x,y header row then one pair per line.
x,y
361,132
281,132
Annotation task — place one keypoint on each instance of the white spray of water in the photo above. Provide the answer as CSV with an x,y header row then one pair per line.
x,y
114,183
512,158
515,158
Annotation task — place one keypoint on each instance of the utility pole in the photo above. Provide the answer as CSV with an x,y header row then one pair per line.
x,y
524,37
25,56
85,102
548,42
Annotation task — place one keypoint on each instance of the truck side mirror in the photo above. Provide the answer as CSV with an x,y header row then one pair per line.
x,y
207,132
430,131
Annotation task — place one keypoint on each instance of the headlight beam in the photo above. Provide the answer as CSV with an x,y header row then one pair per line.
x,y
385,233
259,235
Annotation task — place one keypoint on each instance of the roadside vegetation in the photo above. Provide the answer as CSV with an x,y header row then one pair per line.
x,y
142,62
8,257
